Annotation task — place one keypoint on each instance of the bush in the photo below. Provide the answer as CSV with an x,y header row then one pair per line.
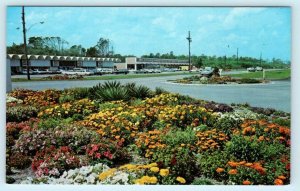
x,y
228,124
178,137
244,148
139,92
20,113
159,90
209,162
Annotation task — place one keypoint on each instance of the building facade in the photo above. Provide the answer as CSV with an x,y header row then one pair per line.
x,y
134,63
17,62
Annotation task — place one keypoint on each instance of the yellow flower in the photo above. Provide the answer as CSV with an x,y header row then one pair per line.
x,y
106,174
154,169
146,180
164,172
180,179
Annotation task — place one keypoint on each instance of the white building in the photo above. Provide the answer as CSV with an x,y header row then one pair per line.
x,y
134,63
17,62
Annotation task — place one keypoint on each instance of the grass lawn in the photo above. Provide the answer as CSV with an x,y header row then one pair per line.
x,y
269,75
110,77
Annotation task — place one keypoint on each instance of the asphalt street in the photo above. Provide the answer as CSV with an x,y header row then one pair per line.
x,y
276,94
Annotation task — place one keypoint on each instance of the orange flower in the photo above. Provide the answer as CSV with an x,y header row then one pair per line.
x,y
219,170
232,164
232,171
248,164
246,182
278,181
282,177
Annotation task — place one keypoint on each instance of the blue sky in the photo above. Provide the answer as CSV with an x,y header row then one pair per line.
x,y
142,30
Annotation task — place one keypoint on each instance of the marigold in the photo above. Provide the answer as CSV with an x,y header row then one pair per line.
x,y
278,181
232,171
154,169
282,177
246,182
219,170
180,179
164,172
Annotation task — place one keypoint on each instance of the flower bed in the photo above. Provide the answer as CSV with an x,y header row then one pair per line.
x,y
216,80
161,139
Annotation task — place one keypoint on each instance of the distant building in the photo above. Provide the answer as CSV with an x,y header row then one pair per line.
x,y
17,62
134,63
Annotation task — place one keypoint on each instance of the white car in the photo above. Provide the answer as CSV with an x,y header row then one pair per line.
x,y
258,68
78,71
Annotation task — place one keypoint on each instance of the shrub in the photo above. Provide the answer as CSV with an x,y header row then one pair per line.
x,y
218,107
228,124
209,162
178,137
139,92
20,113
159,90
244,148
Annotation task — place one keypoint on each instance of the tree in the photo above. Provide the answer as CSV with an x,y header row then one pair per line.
x,y
198,62
92,51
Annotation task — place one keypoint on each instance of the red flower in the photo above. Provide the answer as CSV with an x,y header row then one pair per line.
x,y
98,155
288,166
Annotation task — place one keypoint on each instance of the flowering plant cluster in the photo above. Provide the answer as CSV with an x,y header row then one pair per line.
x,y
36,98
69,109
52,161
162,139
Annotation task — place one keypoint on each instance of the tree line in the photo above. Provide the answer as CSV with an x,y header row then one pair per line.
x,y
103,48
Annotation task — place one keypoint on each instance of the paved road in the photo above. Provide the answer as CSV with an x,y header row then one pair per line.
x,y
276,94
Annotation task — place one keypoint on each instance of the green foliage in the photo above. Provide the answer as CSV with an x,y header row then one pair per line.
x,y
177,137
113,90
208,162
243,148
51,123
159,90
139,92
227,124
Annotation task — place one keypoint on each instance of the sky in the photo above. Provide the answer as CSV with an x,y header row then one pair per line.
x,y
142,30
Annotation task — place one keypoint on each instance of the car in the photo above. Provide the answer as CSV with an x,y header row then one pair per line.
x,y
258,68
207,71
251,69
141,71
78,71
121,71
24,71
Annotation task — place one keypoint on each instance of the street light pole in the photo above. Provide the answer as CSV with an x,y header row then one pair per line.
x,y
237,56
25,43
190,40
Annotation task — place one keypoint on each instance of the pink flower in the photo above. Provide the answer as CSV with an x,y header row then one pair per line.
x,y
98,155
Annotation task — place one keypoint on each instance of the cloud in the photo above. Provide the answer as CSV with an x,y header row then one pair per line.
x,y
34,16
234,16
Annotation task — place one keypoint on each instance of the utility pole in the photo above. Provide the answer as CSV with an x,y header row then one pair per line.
x,y
190,40
25,43
237,56
260,58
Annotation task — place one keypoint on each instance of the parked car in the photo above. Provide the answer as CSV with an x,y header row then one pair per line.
x,y
207,71
24,71
251,69
141,71
258,68
101,71
78,71
121,71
